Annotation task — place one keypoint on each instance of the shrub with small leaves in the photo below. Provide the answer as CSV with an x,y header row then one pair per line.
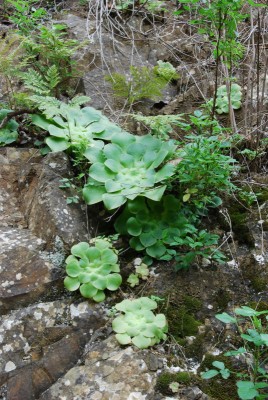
x,y
138,324
251,326
92,269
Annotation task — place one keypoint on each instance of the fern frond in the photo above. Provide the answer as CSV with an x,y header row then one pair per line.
x,y
12,56
78,101
49,106
52,77
34,81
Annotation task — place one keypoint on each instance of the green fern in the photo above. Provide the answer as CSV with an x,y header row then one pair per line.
x,y
142,83
41,84
51,107
12,56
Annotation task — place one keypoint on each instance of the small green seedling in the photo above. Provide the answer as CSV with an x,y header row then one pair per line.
x,y
252,383
142,272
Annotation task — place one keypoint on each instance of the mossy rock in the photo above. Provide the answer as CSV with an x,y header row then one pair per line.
x,y
181,317
196,349
218,388
166,378
181,322
222,298
239,216
192,304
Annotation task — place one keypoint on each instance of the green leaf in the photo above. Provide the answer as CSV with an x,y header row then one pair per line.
x,y
156,251
113,281
218,364
79,249
246,390
112,201
133,227
209,374
147,239
88,290
186,197
119,325
226,318
100,173
136,244
100,296
93,194
155,194
123,338
100,282
247,311
73,268
141,341
57,144
164,173
71,284
241,350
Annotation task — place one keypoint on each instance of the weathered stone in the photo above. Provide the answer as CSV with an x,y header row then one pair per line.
x,y
123,375
40,343
44,202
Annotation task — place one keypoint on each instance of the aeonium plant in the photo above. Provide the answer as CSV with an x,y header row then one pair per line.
x,y
138,325
69,125
222,102
155,227
92,269
129,167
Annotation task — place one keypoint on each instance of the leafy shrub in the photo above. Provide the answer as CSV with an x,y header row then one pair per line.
x,y
45,84
9,133
50,46
25,15
92,269
204,168
131,167
138,324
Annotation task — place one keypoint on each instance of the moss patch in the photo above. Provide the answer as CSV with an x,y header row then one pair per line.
x,y
218,388
166,378
181,318
222,298
239,215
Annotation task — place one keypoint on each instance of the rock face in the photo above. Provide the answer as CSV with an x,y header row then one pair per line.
x,y
37,227
108,373
34,219
52,345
